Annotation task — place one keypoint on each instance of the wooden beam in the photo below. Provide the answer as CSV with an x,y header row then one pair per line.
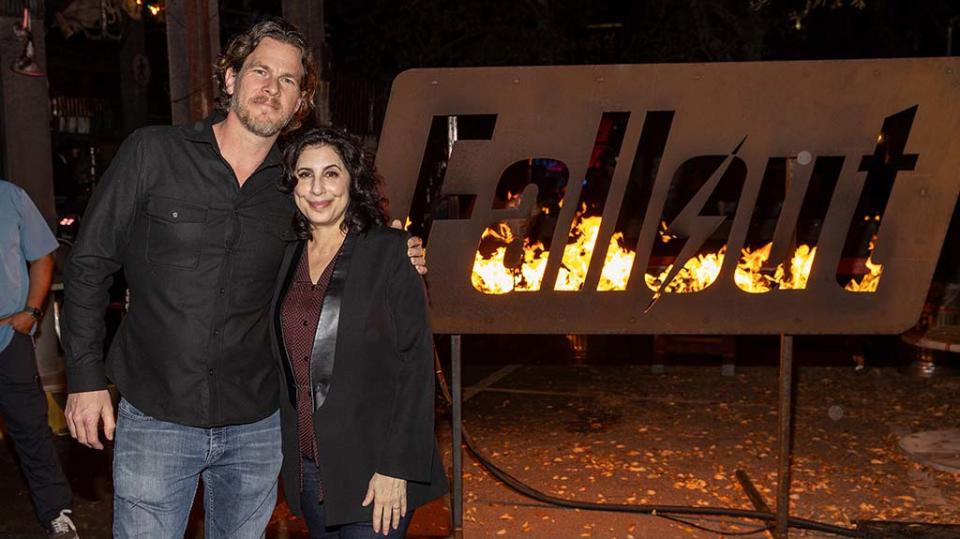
x,y
193,44
25,115
308,16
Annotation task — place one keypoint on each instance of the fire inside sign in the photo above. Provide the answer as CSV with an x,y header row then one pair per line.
x,y
779,197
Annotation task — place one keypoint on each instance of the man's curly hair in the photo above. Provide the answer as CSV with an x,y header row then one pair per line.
x,y
367,207
240,47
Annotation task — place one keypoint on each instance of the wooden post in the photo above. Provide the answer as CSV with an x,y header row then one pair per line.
x,y
193,44
456,495
133,81
784,436
25,111
308,16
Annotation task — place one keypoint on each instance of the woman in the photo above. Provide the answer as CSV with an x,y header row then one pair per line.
x,y
351,326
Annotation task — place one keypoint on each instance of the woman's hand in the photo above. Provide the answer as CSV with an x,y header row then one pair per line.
x,y
389,497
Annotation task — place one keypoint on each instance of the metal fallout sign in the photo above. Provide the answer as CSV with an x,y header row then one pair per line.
x,y
794,197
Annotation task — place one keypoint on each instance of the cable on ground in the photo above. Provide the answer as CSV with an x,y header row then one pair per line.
x,y
663,511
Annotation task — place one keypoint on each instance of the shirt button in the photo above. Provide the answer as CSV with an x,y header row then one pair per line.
x,y
210,372
216,332
304,322
174,214
223,291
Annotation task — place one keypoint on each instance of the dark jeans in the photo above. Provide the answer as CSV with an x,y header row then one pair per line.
x,y
316,520
24,408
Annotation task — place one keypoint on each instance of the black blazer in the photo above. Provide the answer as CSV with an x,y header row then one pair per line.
x,y
374,394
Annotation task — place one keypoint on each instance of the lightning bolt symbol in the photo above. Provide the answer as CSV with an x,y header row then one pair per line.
x,y
693,226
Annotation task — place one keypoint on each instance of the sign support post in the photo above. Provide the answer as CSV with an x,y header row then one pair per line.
x,y
784,437
456,493
870,167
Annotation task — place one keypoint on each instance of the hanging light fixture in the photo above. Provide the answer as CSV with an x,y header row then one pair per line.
x,y
26,63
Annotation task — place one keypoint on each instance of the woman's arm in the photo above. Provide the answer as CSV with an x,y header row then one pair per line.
x,y
410,439
409,443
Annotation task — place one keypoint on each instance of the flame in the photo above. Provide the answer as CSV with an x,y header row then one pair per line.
x,y
749,277
697,273
870,281
616,266
492,276
577,254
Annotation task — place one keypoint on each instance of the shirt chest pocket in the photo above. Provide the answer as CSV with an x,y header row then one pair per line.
x,y
174,232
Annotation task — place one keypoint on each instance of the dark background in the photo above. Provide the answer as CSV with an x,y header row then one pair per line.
x,y
368,42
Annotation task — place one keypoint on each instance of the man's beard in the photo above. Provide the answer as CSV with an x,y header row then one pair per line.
x,y
261,127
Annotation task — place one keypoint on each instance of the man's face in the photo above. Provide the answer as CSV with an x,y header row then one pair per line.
x,y
266,93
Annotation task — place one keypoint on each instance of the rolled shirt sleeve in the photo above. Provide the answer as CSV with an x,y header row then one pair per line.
x,y
24,236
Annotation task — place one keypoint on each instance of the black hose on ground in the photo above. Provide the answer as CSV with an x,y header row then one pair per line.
x,y
664,511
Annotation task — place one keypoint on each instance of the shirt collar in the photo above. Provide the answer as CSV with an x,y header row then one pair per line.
x,y
202,131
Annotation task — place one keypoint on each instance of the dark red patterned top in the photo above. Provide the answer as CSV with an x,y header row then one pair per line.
x,y
300,314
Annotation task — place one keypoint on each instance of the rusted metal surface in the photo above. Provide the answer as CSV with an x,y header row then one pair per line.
x,y
732,117
724,346
756,499
784,435
456,495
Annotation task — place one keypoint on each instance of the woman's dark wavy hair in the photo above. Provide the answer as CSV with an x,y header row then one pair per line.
x,y
241,45
367,207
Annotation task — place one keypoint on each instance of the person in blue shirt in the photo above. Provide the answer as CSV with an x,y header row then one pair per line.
x,y
26,270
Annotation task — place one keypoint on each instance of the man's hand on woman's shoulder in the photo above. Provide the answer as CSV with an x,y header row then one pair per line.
x,y
415,250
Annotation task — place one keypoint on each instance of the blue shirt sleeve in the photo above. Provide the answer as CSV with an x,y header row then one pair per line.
x,y
36,239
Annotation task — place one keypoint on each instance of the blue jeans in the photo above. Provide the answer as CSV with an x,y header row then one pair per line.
x,y
313,513
156,466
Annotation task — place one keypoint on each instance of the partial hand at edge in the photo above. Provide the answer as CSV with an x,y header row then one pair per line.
x,y
84,412
22,322
415,250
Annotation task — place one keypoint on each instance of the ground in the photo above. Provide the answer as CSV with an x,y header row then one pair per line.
x,y
613,432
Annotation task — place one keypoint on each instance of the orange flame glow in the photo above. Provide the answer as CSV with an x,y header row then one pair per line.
x,y
749,277
870,281
616,266
577,254
492,276
697,273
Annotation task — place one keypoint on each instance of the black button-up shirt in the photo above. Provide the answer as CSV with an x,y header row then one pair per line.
x,y
200,255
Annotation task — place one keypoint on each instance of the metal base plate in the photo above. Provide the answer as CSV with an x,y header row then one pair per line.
x,y
939,449
877,529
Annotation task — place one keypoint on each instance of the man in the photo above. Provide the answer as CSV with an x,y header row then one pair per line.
x,y
25,238
194,217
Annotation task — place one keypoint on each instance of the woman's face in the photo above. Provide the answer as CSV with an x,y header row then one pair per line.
x,y
322,192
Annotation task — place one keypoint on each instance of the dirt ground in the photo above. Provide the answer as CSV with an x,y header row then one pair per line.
x,y
615,433
618,434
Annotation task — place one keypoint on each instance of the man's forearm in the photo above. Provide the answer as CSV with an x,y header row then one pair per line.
x,y
41,275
